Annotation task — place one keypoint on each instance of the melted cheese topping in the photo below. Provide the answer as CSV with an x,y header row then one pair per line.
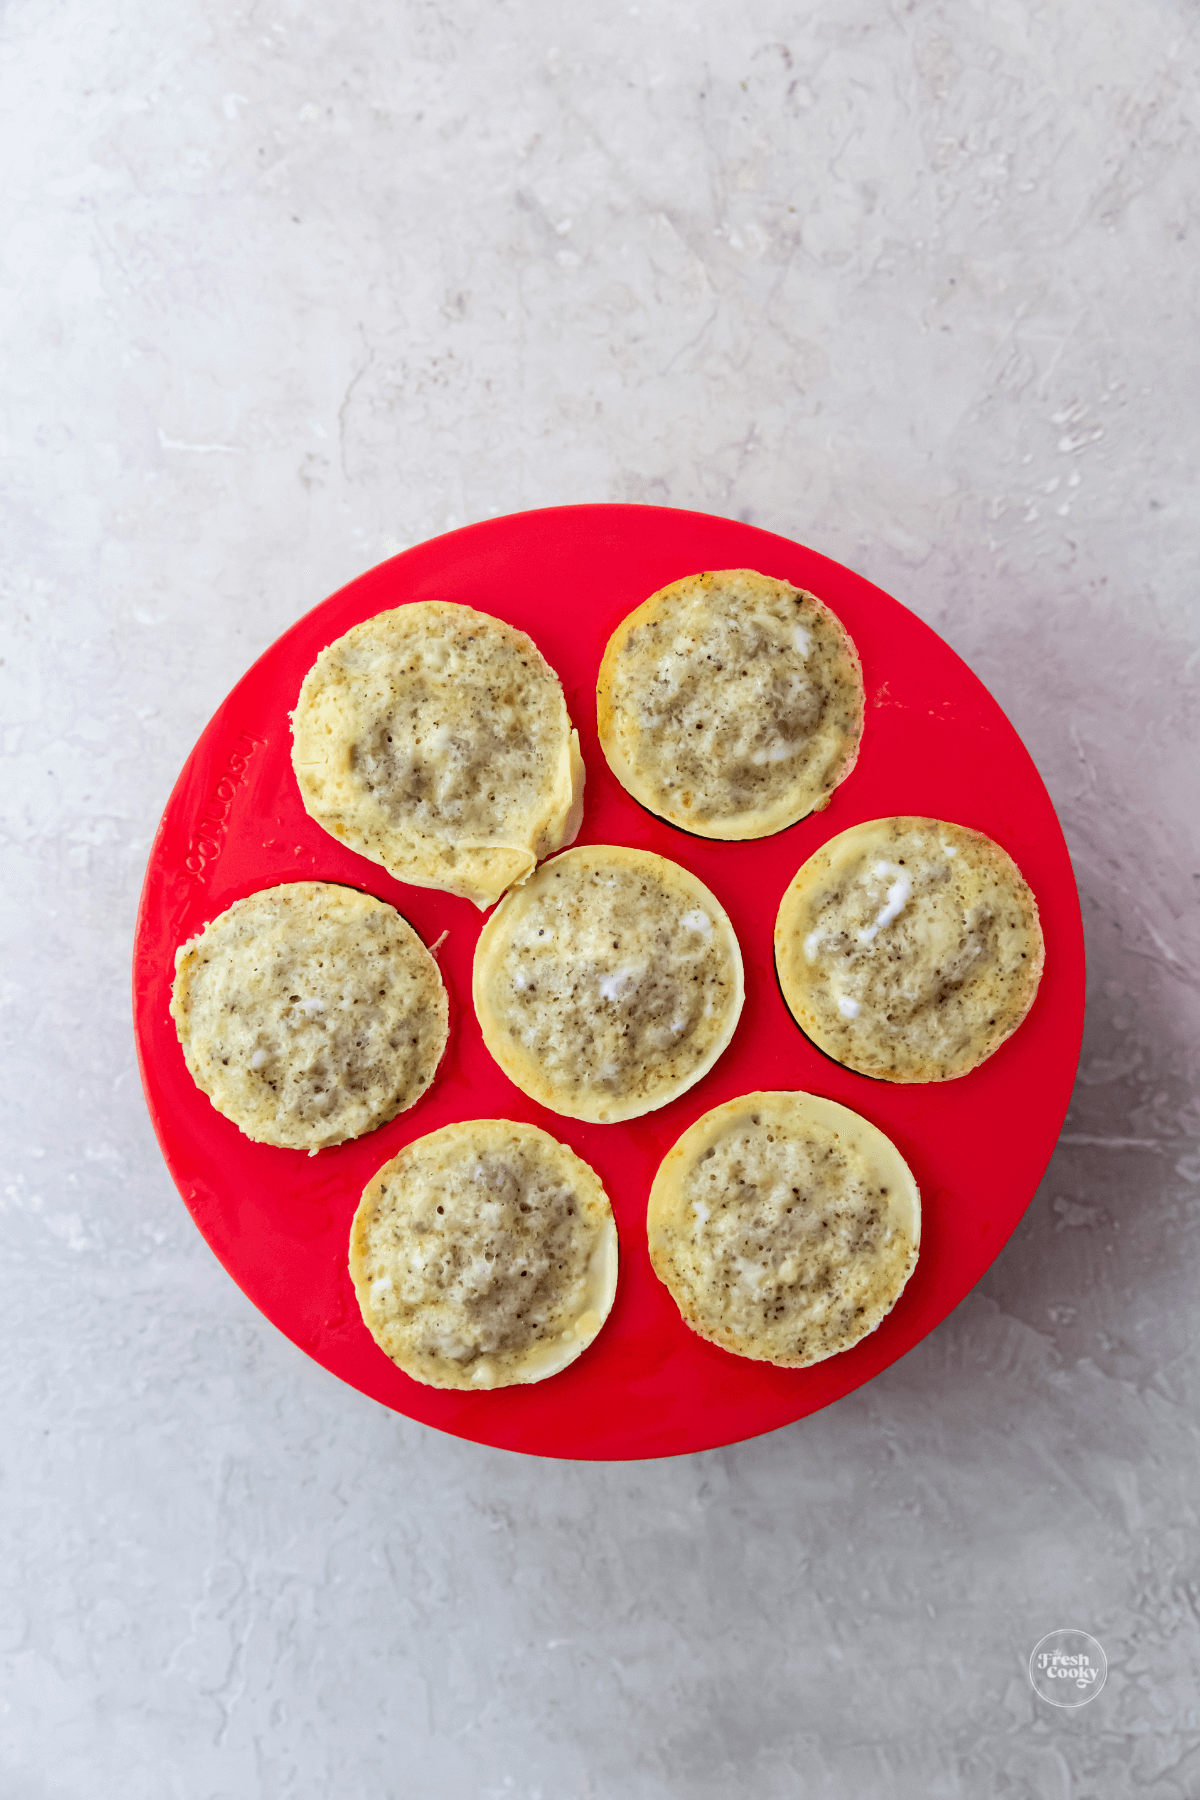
x,y
484,1255
608,984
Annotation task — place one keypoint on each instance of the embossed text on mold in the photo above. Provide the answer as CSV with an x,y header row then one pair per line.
x,y
209,833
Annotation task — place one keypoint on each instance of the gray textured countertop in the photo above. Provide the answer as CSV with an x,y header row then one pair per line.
x,y
285,289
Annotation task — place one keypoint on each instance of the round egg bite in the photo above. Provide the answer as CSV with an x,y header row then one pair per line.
x,y
484,1255
731,704
909,948
435,740
784,1226
309,1013
608,984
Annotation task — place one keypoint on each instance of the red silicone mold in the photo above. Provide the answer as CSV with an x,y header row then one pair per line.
x,y
936,744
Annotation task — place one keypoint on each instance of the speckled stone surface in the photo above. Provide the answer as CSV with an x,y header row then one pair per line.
x,y
283,289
